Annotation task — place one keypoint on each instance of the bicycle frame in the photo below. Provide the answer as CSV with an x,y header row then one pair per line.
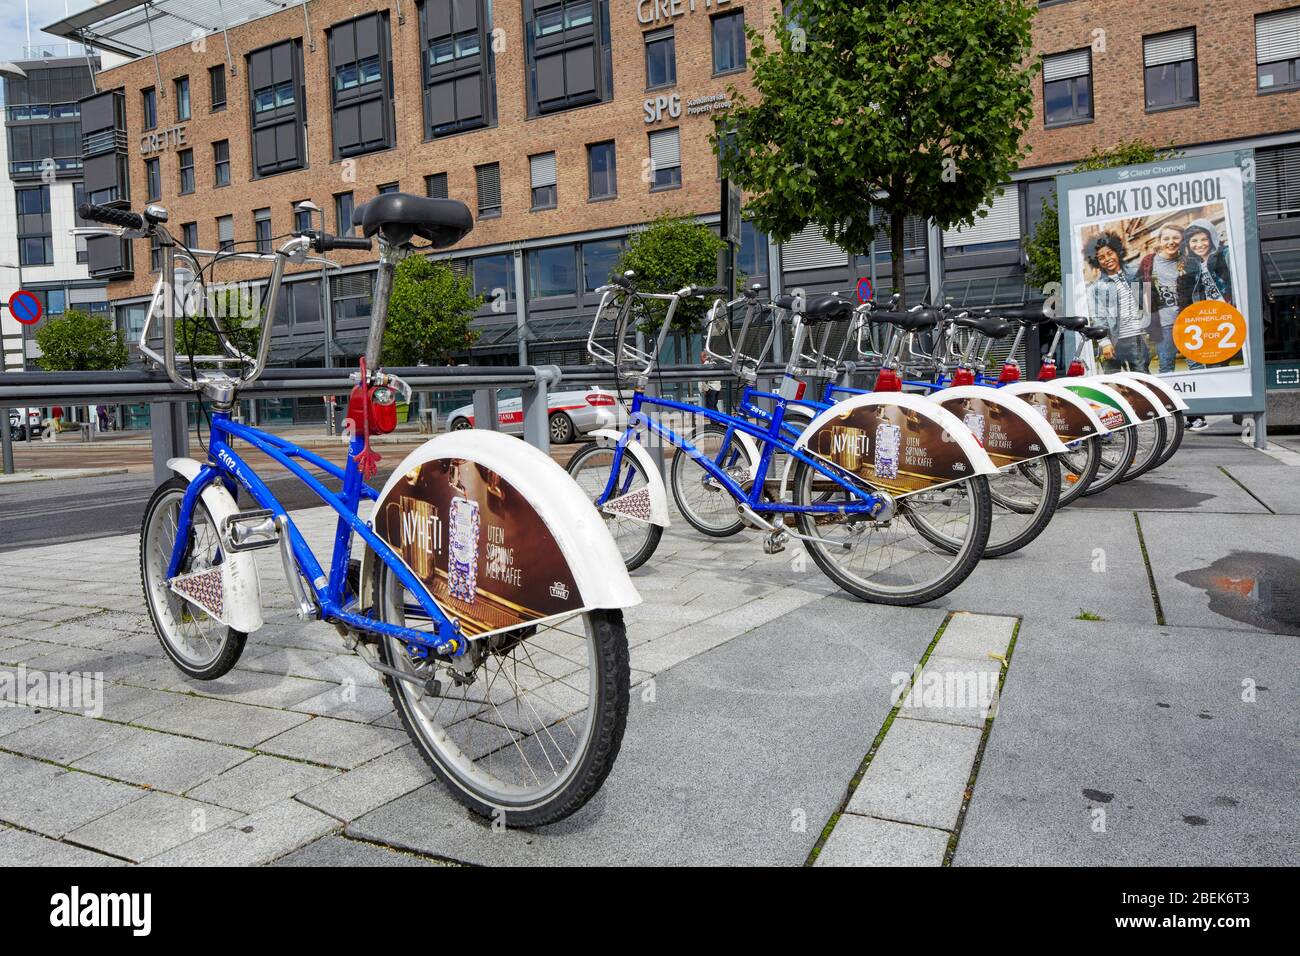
x,y
331,598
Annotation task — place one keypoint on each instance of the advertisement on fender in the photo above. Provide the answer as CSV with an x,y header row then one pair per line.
x,y
484,553
1068,421
1165,256
891,447
1006,437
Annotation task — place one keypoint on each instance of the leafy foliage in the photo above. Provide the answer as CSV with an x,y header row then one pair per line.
x,y
670,254
429,313
917,106
234,310
1043,248
80,342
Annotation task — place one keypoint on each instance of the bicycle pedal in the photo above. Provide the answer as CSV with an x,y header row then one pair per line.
x,y
774,543
250,530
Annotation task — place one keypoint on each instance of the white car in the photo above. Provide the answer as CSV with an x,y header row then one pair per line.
x,y
34,423
572,414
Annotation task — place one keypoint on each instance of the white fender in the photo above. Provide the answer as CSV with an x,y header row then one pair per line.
x,y
1019,448
1173,401
543,489
655,481
1111,407
1077,414
751,449
937,449
1136,394
240,604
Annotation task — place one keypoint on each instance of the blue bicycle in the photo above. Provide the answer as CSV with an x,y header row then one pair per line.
x,y
488,595
890,495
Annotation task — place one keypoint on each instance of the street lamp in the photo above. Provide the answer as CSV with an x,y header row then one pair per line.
x,y
327,313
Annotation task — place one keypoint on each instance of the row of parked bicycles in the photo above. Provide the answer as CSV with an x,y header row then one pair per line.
x,y
896,491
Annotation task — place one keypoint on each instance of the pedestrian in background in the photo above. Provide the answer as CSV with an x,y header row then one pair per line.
x,y
711,391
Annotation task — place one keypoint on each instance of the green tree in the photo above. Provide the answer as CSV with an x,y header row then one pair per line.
x,y
670,254
915,106
80,342
429,313
1043,248
234,310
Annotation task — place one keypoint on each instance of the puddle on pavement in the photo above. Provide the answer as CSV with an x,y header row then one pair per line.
x,y
1255,588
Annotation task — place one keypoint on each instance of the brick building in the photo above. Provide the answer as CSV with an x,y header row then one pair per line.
x,y
543,115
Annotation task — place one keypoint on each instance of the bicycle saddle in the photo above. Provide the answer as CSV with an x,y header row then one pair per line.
x,y
784,302
1071,323
400,216
1094,332
827,308
911,321
985,325
1031,314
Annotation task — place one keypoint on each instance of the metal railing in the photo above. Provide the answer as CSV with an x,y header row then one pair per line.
x,y
170,428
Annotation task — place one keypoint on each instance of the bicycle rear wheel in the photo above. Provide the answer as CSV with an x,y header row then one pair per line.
x,y
897,561
1078,467
526,725
1025,496
1175,427
703,500
1116,453
1150,443
590,468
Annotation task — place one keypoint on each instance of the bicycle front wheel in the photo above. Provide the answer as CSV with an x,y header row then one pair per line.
x,y
1150,443
526,725
1116,451
590,468
1078,467
1025,496
925,550
1175,426
703,500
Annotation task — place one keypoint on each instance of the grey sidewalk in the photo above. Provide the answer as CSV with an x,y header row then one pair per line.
x,y
769,687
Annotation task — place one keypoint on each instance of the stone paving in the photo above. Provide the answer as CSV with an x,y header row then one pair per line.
x,y
769,689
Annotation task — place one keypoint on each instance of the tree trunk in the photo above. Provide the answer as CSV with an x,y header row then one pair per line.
x,y
897,224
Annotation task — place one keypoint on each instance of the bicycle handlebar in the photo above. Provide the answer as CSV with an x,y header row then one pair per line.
x,y
92,212
324,242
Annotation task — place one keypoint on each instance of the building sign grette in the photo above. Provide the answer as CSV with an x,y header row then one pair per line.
x,y
160,139
1165,256
656,11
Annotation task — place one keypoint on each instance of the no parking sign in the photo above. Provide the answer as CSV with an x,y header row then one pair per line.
x,y
25,307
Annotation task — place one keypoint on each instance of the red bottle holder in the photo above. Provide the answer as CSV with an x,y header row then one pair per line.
x,y
963,376
1076,369
1010,373
888,381
1047,371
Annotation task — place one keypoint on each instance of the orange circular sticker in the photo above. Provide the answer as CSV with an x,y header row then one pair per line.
x,y
1209,332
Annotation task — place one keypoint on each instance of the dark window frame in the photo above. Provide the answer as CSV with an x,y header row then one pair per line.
x,y
342,228
593,196
429,190
179,84
567,43
716,19
457,67
259,222
489,211
672,183
546,196
354,105
153,179
1195,99
34,226
1292,81
218,163
663,35
226,244
1075,119
275,72
216,105
149,108
182,169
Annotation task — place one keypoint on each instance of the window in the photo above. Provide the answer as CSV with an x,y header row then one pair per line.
x,y
542,170
152,179
435,186
190,235
388,188
1169,60
182,90
262,229
599,259
660,59
343,207
217,87
221,163
306,302
752,256
352,296
149,105
225,232
35,233
493,273
666,159
1277,50
602,178
301,218
1067,87
360,64
278,115
186,161
1277,182
729,42
552,271
458,67
78,198
489,190
568,54
56,301
155,253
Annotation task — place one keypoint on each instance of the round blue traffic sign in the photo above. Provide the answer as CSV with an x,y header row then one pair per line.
x,y
864,290
25,307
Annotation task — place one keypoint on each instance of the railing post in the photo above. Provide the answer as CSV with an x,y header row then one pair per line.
x,y
485,409
537,409
171,436
6,440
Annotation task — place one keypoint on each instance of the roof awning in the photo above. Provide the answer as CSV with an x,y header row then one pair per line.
x,y
134,28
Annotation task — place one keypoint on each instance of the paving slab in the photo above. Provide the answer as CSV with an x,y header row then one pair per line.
x,y
1176,487
151,825
864,841
65,739
371,785
163,761
261,781
1149,725
253,840
952,690
334,743
54,801
738,759
1276,485
17,717
221,721
1237,573
19,848
339,852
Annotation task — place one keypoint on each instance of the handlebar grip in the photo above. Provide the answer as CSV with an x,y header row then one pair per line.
x,y
111,217
621,281
708,290
326,242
